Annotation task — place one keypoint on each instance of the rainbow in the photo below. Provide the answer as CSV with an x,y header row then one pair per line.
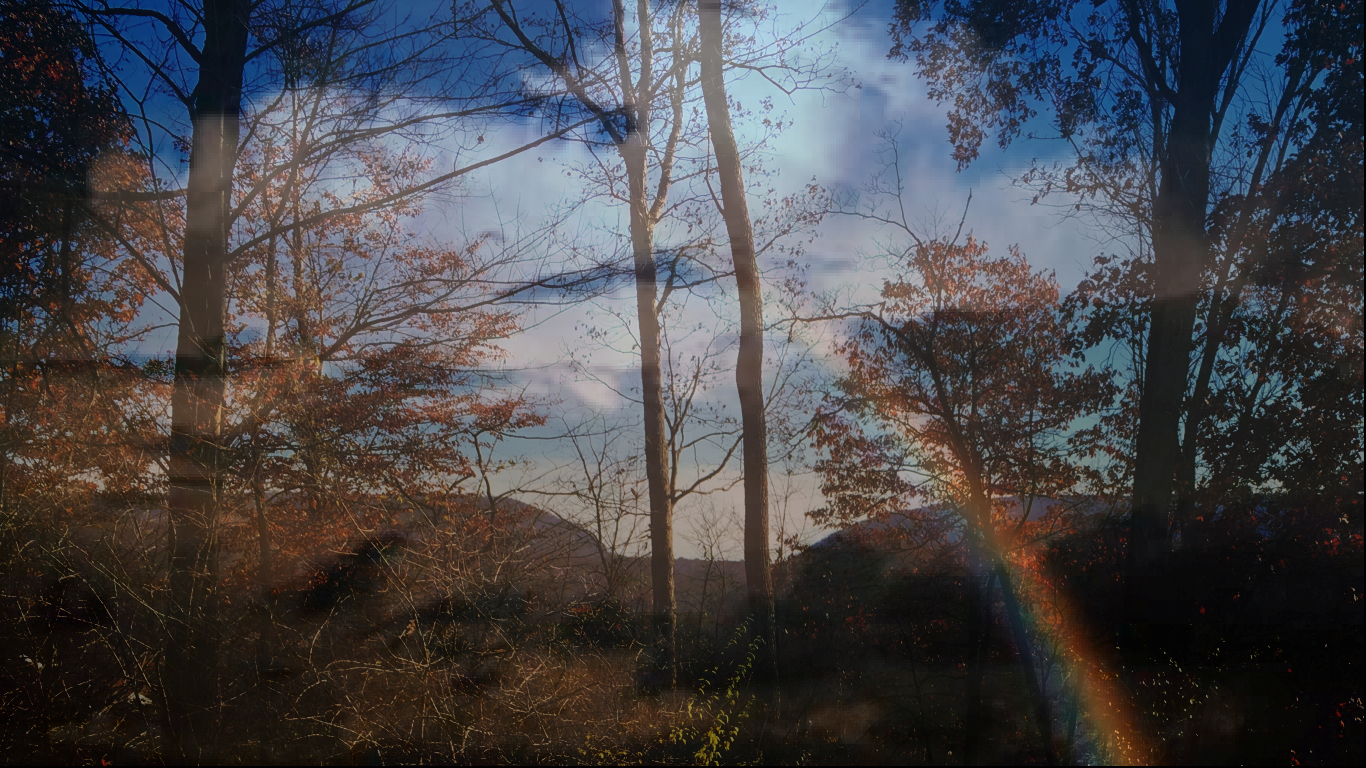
x,y
1092,674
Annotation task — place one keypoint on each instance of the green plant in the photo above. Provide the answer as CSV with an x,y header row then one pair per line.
x,y
711,720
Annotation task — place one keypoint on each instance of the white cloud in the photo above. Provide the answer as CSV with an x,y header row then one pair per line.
x,y
834,138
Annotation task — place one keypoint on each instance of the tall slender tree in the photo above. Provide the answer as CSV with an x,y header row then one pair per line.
x,y
629,122
638,92
749,368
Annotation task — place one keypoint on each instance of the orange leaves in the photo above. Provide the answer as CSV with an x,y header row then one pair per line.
x,y
954,380
76,432
359,339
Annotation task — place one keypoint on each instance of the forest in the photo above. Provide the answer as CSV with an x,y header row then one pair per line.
x,y
689,382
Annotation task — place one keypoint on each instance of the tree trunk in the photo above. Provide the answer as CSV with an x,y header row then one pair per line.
x,y
1042,718
265,640
637,103
749,368
1225,297
1180,252
197,398
633,144
980,518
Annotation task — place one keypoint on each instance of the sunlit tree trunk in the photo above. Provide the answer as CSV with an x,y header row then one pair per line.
x,y
633,144
749,368
637,102
197,399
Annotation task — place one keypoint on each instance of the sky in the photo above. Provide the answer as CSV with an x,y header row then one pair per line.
x,y
837,139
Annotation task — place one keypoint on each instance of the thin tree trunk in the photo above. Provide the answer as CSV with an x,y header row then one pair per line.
x,y
633,144
271,314
1225,298
265,641
637,102
1221,308
306,366
749,368
981,514
197,398
1072,707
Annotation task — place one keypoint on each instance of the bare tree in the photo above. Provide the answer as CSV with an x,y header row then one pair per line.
x,y
712,534
629,121
638,93
749,370
607,488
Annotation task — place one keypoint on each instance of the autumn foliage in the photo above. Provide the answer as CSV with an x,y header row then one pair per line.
x,y
959,379
363,544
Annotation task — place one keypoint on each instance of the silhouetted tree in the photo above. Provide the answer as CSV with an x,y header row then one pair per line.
x,y
1132,85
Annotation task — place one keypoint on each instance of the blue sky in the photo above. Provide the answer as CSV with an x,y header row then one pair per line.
x,y
834,140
